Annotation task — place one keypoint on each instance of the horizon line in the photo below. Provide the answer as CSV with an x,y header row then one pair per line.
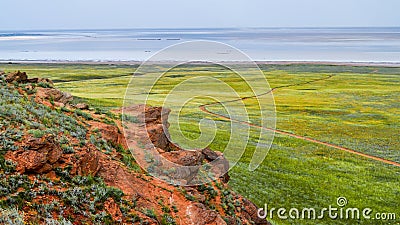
x,y
200,28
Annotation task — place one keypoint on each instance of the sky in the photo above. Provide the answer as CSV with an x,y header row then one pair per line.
x,y
103,14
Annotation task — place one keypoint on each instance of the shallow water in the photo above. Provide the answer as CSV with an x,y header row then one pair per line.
x,y
262,44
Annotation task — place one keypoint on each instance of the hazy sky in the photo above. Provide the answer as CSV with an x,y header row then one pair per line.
x,y
82,14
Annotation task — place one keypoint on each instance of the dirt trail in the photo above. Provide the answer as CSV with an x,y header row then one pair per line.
x,y
204,109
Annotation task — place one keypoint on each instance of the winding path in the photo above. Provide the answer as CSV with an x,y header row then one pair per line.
x,y
204,109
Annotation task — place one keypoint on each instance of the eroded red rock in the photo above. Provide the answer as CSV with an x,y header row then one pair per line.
x,y
185,158
250,211
113,209
16,77
108,132
55,95
39,156
199,215
82,106
87,164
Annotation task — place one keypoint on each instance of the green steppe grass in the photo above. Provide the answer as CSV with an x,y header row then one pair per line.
x,y
358,108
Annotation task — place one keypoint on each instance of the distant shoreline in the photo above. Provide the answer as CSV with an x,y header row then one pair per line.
x,y
90,62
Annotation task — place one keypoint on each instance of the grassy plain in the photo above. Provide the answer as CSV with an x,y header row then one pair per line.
x,y
357,108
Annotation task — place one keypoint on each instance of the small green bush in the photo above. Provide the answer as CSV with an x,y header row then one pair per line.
x,y
150,213
67,149
37,133
87,116
44,85
167,220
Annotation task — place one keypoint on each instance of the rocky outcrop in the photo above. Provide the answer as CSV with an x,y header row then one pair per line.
x,y
22,77
113,209
186,164
45,91
38,155
52,94
114,174
157,128
200,215
88,163
43,81
18,76
250,212
110,133
82,106
185,158
158,136
156,119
